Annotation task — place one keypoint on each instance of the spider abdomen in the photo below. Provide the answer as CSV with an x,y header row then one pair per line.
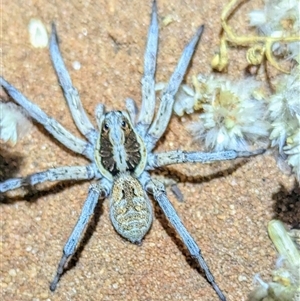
x,y
130,208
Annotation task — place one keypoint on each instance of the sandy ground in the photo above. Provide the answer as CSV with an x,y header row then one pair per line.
x,y
227,211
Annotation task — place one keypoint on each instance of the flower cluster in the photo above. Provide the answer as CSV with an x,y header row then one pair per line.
x,y
284,115
13,122
279,19
235,115
232,115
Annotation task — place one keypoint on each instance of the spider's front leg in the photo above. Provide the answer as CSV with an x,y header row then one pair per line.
x,y
100,190
71,94
164,113
157,189
50,124
148,82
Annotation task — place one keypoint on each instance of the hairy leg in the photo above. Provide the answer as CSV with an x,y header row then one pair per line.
x,y
157,189
63,173
50,124
164,113
148,82
178,156
96,191
71,94
131,109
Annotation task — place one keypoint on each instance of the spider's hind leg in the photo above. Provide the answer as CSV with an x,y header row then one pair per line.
x,y
96,191
157,189
169,180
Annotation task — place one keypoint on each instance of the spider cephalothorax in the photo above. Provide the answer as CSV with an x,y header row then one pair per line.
x,y
121,153
119,147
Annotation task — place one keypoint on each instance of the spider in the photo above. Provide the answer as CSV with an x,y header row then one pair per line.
x,y
121,152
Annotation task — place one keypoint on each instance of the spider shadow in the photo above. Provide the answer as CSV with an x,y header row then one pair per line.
x,y
164,221
180,177
287,205
9,163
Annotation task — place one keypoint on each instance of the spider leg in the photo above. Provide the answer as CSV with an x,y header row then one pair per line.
x,y
71,94
131,109
148,82
178,156
168,180
96,191
157,189
164,113
50,124
62,173
99,112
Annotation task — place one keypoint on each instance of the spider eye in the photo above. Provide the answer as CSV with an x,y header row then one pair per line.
x,y
123,124
106,127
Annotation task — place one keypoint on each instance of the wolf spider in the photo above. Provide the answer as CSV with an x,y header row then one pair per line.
x,y
121,153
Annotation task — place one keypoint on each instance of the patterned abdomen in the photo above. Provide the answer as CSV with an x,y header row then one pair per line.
x,y
130,208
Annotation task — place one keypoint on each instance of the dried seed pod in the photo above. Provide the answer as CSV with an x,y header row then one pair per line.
x,y
283,242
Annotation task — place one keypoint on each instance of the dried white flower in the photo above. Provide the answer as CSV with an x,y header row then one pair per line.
x,y
284,115
13,122
292,149
284,108
232,117
284,286
279,18
76,65
286,278
188,99
37,34
184,100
